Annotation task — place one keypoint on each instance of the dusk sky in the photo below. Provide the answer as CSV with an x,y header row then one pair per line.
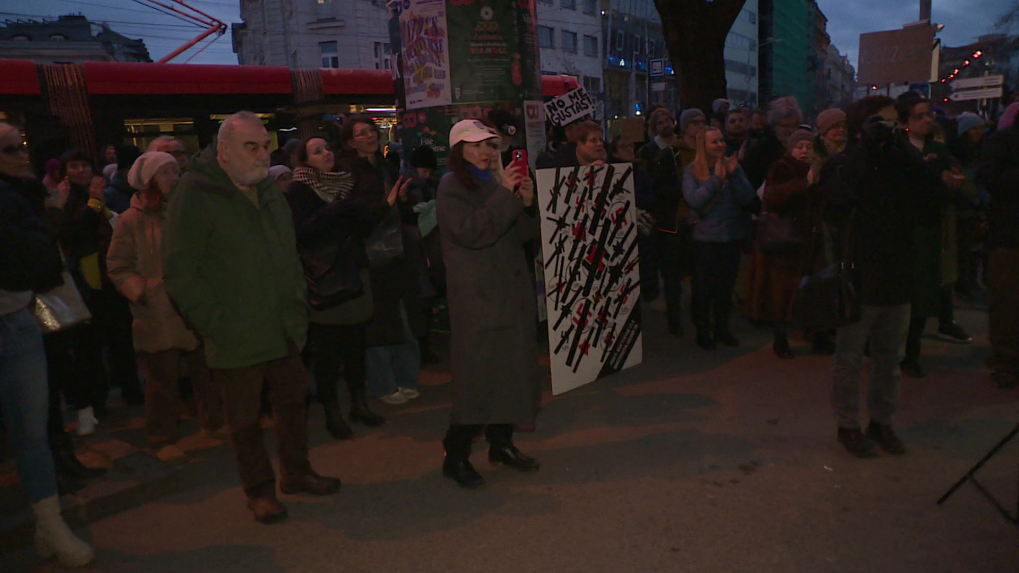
x,y
964,20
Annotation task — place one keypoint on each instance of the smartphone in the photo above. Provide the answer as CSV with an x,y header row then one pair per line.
x,y
519,159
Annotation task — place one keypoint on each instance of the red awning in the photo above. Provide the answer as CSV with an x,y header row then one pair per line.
x,y
19,77
144,78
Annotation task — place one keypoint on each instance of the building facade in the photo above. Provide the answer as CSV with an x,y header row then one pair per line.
x,y
840,78
571,42
308,34
741,57
68,40
787,36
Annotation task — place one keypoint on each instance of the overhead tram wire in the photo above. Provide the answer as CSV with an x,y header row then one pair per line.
x,y
167,13
203,49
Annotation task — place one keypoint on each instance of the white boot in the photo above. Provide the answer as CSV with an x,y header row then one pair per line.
x,y
53,537
86,422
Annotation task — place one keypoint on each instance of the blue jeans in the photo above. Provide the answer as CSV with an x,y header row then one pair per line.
x,y
24,397
389,368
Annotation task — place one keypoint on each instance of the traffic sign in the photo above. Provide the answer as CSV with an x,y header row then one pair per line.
x,y
657,68
978,82
986,93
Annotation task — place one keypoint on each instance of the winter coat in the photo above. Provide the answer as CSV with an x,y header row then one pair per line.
x,y
717,212
396,281
232,268
883,186
135,266
998,172
492,305
670,209
760,156
84,234
118,193
29,257
317,222
936,263
775,277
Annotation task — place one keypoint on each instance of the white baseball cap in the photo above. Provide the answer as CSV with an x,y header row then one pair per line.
x,y
471,131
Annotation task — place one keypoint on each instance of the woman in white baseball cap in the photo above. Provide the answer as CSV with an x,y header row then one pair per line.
x,y
484,220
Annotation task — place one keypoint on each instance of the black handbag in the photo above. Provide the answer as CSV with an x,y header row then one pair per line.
x,y
828,299
331,271
385,244
778,234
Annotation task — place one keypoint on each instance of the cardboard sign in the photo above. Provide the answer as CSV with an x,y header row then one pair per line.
x,y
592,281
631,130
569,107
896,56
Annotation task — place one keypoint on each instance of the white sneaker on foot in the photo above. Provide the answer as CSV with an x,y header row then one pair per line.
x,y
394,398
86,422
409,393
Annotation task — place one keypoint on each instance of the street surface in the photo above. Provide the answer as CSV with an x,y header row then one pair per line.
x,y
693,461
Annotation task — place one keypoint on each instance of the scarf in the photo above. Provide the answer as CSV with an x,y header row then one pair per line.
x,y
476,173
326,184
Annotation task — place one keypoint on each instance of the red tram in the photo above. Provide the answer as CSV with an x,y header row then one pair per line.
x,y
93,103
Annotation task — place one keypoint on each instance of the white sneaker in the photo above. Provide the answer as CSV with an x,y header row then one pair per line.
x,y
54,538
409,393
86,422
394,398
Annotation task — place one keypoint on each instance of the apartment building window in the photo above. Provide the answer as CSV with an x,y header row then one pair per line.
x,y
325,10
546,37
592,85
568,4
330,54
569,42
590,7
591,46
383,59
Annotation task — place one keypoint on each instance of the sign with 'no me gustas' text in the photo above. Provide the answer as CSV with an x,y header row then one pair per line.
x,y
569,107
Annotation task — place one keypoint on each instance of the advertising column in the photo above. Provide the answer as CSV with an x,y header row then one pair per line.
x,y
461,59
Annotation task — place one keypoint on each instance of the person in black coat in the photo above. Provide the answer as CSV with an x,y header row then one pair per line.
x,y
328,210
998,172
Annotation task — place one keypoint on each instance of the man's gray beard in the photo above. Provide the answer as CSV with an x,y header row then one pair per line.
x,y
256,176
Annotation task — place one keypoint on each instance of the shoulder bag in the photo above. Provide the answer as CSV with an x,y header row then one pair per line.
x,y
828,299
331,271
61,307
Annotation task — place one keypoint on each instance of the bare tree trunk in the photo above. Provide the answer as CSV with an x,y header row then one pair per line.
x,y
695,32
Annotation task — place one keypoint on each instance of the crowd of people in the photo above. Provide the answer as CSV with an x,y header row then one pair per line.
x,y
222,279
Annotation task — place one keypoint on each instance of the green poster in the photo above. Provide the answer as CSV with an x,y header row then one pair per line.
x,y
493,50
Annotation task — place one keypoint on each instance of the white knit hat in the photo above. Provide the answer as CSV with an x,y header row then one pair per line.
x,y
145,167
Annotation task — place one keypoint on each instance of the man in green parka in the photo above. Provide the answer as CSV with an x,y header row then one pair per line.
x,y
231,266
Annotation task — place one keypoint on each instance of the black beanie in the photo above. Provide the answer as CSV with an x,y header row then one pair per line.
x,y
423,156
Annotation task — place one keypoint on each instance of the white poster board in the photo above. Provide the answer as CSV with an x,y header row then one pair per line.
x,y
592,281
569,107
426,77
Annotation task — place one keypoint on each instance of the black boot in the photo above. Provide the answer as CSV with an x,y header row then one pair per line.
x,y
359,411
781,346
337,428
67,464
704,339
457,464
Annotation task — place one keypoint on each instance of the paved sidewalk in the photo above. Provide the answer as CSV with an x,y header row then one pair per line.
x,y
693,461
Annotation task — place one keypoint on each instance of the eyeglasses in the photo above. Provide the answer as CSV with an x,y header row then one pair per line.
x,y
15,149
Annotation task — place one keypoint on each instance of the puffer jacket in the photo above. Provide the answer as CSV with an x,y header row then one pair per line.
x,y
135,266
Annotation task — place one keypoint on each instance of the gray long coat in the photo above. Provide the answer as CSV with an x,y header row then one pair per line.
x,y
492,307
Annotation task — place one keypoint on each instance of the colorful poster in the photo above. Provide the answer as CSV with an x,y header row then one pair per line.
x,y
493,46
589,247
425,49
429,127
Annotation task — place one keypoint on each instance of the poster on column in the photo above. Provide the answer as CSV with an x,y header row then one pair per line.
x,y
589,248
425,49
493,47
